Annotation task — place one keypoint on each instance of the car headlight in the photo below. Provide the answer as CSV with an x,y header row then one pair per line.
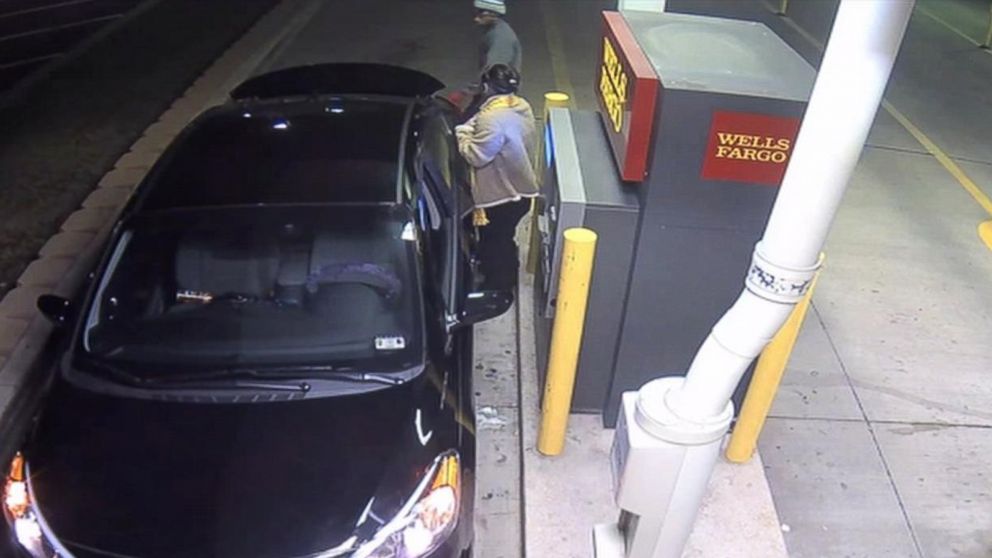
x,y
426,520
26,523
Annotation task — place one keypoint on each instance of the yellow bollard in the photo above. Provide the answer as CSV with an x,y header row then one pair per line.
x,y
783,7
985,233
764,385
552,99
566,338
555,99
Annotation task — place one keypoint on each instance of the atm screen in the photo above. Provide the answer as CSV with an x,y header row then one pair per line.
x,y
547,218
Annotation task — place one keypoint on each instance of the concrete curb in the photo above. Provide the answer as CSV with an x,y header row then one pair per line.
x,y
498,501
69,254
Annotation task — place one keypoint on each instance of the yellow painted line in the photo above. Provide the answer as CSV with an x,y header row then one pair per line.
x,y
813,40
556,49
985,233
943,158
950,27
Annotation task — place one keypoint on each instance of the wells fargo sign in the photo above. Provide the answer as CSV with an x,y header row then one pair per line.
x,y
627,93
613,86
748,147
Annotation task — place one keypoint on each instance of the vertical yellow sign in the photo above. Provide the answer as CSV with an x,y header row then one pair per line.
x,y
613,85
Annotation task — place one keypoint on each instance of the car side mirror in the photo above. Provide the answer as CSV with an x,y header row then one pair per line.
x,y
58,310
484,305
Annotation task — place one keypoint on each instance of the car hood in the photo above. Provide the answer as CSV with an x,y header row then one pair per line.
x,y
136,477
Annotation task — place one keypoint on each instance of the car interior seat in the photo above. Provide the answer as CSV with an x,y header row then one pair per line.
x,y
234,264
354,276
294,264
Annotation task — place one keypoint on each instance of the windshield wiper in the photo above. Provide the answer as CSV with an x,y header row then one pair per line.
x,y
231,384
193,382
114,372
277,373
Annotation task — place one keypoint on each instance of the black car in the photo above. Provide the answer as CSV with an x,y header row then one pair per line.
x,y
273,356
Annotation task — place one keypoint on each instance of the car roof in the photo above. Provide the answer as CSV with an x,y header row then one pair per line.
x,y
339,79
316,149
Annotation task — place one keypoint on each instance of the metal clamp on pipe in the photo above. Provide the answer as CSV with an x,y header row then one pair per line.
x,y
771,291
767,377
778,283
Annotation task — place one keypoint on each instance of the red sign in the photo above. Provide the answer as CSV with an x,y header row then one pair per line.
x,y
627,91
747,147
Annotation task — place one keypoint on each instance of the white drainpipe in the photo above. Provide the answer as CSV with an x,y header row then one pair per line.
x,y
670,432
849,87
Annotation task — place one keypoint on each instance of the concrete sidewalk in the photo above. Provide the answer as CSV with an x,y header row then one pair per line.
x,y
567,494
549,505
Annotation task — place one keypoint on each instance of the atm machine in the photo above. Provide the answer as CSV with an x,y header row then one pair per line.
x,y
696,121
582,189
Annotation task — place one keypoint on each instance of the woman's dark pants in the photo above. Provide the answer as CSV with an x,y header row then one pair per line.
x,y
497,249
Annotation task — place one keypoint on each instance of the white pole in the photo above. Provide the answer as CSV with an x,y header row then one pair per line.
x,y
641,5
849,87
680,421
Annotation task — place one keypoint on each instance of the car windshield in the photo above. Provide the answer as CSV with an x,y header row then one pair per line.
x,y
256,287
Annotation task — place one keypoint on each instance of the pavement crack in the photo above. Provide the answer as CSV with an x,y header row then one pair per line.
x,y
921,425
928,403
521,453
871,431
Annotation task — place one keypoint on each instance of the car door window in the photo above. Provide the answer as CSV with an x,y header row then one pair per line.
x,y
440,236
460,172
436,174
438,151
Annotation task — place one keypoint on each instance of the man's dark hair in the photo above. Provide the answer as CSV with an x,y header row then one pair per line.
x,y
501,79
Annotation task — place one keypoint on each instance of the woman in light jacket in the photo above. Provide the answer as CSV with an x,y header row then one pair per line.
x,y
498,142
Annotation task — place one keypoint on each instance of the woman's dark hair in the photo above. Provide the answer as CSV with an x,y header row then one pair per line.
x,y
501,79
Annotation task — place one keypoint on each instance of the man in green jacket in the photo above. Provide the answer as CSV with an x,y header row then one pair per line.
x,y
499,44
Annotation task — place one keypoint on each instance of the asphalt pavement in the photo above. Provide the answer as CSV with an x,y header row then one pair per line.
x,y
59,137
35,34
